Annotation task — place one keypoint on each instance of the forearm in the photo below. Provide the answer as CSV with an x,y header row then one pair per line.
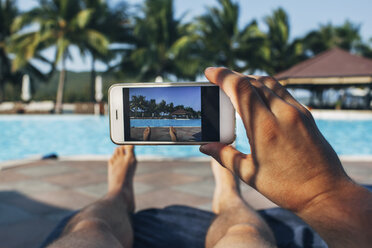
x,y
343,218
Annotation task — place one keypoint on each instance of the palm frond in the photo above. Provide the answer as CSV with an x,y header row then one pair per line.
x,y
82,18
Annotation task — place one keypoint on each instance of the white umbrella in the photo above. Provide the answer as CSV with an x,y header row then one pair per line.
x,y
26,89
99,94
358,92
159,79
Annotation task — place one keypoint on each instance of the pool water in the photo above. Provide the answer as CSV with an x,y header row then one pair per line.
x,y
24,136
165,122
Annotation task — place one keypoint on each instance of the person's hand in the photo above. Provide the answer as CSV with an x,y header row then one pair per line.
x,y
291,163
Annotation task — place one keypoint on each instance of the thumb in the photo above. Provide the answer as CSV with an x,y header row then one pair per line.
x,y
238,163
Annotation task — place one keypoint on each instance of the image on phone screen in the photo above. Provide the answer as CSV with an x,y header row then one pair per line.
x,y
173,114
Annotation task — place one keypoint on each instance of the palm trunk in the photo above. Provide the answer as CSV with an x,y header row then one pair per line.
x,y
92,80
2,76
2,82
1,89
61,86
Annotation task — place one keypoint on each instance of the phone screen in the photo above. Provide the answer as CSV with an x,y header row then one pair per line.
x,y
172,114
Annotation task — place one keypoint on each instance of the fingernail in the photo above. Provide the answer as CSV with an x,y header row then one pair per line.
x,y
206,149
209,69
203,149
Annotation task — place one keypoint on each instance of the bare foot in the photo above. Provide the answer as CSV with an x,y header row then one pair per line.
x,y
227,191
146,134
121,169
173,134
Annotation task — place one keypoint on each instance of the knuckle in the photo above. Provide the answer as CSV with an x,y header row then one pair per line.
x,y
292,116
243,88
222,72
257,84
243,85
269,82
220,75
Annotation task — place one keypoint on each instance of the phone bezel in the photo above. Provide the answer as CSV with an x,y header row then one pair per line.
x,y
115,96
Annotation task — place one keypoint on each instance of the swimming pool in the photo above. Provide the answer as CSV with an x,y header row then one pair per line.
x,y
165,122
24,136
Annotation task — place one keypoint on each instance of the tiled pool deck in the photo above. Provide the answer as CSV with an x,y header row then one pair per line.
x,y
36,195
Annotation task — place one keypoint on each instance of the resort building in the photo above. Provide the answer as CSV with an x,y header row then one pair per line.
x,y
181,114
332,79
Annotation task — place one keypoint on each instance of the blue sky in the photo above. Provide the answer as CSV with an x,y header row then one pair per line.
x,y
304,16
187,96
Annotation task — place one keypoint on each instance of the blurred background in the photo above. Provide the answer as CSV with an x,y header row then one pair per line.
x,y
63,45
59,57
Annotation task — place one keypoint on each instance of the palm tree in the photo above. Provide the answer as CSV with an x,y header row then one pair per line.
x,y
61,24
348,35
170,108
152,108
365,49
192,112
142,103
253,48
8,12
345,36
9,73
113,23
162,107
220,33
163,45
224,44
135,105
283,53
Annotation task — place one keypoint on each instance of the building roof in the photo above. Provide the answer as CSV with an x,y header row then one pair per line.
x,y
180,112
332,63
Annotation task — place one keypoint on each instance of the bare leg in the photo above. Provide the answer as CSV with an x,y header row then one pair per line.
x,y
173,134
106,223
146,134
237,224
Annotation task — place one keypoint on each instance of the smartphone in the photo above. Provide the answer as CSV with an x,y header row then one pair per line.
x,y
170,114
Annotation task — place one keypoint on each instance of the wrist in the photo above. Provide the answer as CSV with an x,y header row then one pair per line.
x,y
344,195
341,214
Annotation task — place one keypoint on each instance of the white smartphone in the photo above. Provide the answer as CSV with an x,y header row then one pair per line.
x,y
170,114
